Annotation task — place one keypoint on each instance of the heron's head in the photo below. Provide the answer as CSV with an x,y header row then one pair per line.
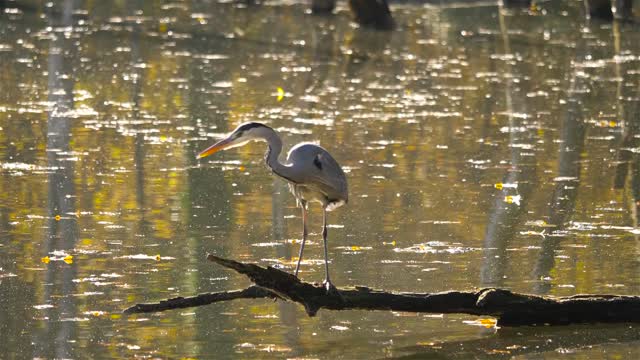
x,y
240,136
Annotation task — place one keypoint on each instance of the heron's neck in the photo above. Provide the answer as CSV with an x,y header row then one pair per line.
x,y
273,153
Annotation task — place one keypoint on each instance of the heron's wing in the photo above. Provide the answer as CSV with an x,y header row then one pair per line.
x,y
327,176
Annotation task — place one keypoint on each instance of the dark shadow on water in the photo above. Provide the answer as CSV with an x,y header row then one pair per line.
x,y
535,341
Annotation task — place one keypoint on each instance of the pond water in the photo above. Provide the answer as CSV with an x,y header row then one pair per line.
x,y
483,147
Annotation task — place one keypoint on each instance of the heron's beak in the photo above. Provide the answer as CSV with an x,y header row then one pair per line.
x,y
220,145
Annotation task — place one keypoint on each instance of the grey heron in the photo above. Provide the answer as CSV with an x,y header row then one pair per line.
x,y
312,173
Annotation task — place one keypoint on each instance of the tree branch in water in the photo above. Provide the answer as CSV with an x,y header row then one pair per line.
x,y
511,309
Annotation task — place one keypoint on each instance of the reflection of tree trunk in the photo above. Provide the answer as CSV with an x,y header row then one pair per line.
x,y
566,190
504,217
209,201
364,45
139,144
622,9
62,223
629,118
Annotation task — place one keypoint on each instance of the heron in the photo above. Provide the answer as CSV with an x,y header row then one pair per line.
x,y
312,173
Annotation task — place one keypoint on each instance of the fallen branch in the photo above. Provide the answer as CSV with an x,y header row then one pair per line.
x,y
511,309
252,292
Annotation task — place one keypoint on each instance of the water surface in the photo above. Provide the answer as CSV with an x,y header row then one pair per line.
x,y
483,147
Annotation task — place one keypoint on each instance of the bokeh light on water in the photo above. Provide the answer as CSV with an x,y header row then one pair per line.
x,y
483,147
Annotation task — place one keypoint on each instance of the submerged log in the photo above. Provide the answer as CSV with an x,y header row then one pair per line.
x,y
511,309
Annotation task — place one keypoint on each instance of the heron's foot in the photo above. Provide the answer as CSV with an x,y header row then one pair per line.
x,y
331,289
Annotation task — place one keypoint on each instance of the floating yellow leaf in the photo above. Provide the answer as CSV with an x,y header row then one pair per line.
x,y
280,93
605,123
513,199
488,322
498,351
115,316
241,168
57,217
501,186
163,27
356,248
68,259
45,259
158,258
393,243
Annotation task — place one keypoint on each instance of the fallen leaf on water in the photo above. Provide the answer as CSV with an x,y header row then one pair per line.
x,y
498,351
68,259
280,93
57,217
45,259
501,186
513,199
487,323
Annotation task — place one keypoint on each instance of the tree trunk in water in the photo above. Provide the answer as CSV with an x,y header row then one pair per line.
x,y
516,3
600,9
372,13
322,6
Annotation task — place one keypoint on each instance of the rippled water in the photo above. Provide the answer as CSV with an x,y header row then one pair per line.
x,y
483,147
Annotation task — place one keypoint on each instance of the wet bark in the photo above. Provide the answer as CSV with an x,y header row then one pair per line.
x,y
515,3
322,6
600,9
511,309
372,13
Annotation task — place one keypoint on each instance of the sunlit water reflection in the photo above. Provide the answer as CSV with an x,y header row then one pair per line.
x,y
482,148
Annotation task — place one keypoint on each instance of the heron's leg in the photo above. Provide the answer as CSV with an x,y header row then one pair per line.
x,y
327,281
303,205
